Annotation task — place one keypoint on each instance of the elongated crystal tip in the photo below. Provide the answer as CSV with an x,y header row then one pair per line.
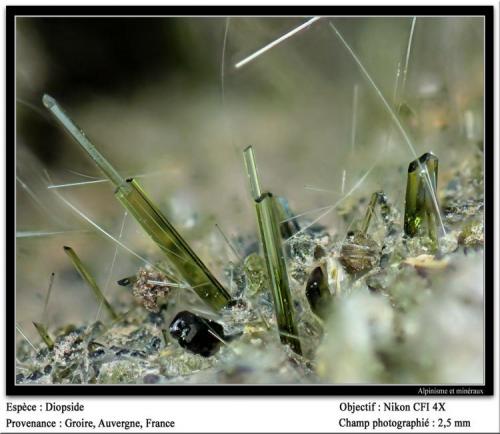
x,y
48,101
424,158
253,176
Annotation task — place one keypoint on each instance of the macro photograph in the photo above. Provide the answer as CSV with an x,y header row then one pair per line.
x,y
249,200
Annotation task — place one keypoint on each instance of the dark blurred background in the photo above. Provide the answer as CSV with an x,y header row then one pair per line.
x,y
157,99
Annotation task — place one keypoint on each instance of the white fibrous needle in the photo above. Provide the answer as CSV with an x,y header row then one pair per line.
x,y
276,42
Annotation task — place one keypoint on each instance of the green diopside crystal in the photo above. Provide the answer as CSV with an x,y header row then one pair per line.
x,y
276,269
420,210
148,215
180,254
42,331
269,227
87,277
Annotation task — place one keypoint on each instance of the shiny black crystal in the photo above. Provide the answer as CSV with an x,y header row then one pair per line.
x,y
197,334
317,292
127,281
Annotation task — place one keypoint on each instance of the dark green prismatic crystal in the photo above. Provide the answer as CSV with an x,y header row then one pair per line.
x,y
421,218
42,331
180,254
269,227
90,281
149,216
